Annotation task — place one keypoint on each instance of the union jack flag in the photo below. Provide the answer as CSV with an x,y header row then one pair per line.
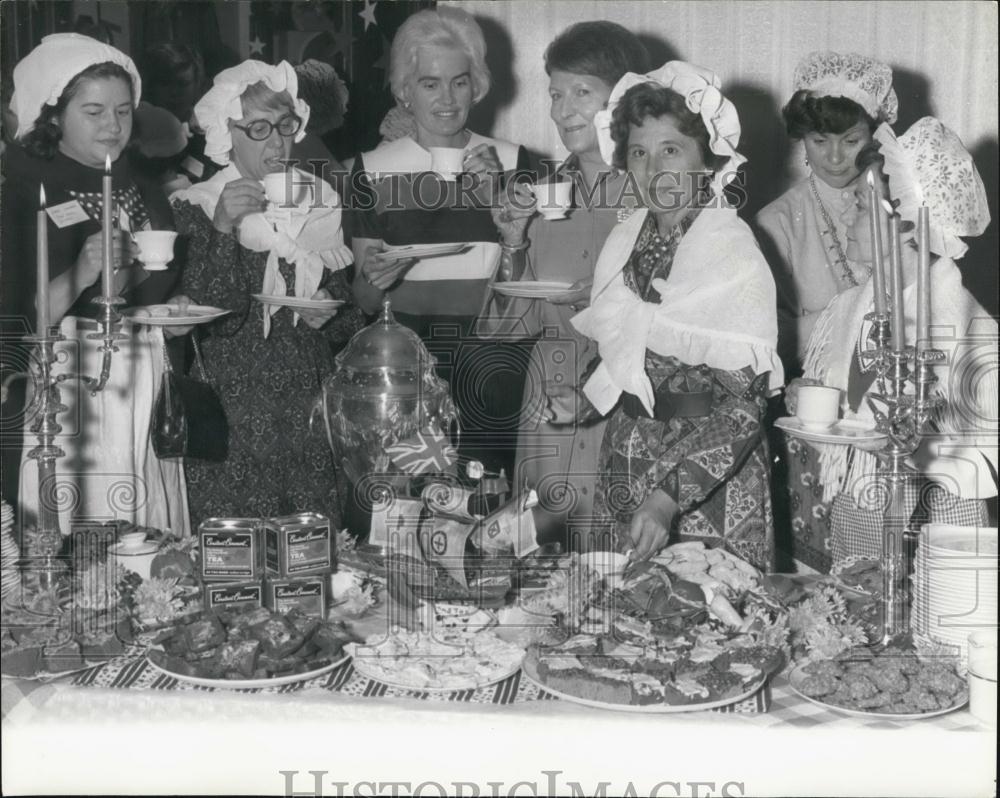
x,y
426,452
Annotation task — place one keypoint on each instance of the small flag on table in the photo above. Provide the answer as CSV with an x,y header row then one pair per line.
x,y
443,542
426,452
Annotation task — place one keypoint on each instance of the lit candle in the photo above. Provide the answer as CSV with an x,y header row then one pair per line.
x,y
878,268
895,279
42,266
107,231
923,277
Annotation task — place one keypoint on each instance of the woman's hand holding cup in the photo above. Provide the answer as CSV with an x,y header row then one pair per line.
x,y
90,261
239,198
511,214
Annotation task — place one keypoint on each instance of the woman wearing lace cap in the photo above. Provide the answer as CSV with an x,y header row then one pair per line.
x,y
838,102
267,361
957,459
683,312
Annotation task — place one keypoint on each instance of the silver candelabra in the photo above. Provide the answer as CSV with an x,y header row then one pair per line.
x,y
904,418
46,426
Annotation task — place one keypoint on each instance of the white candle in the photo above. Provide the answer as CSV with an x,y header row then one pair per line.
x,y
42,266
107,230
878,268
898,317
923,277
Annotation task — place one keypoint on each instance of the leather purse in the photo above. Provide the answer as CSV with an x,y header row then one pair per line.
x,y
188,417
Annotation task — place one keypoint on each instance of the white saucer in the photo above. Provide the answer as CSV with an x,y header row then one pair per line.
x,y
298,303
845,431
147,547
164,315
532,289
419,251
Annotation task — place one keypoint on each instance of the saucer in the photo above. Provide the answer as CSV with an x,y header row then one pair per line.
x,y
845,431
146,547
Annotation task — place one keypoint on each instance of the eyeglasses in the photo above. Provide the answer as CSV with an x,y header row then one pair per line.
x,y
260,130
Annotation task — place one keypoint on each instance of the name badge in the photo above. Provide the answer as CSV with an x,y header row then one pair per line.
x,y
124,221
67,214
193,166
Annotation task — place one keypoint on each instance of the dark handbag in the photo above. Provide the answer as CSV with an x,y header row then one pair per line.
x,y
188,418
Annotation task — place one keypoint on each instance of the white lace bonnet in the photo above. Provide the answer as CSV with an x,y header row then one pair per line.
x,y
222,102
700,89
929,165
857,77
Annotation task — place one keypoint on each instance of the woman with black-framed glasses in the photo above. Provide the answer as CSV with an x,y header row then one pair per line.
x,y
267,360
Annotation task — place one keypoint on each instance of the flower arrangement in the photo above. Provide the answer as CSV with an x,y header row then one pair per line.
x,y
822,625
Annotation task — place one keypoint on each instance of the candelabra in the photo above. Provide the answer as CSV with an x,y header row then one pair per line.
x,y
47,406
903,417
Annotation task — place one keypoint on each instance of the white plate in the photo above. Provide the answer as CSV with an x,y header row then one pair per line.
x,y
160,315
421,251
855,433
147,547
298,303
249,684
798,674
655,709
532,289
363,666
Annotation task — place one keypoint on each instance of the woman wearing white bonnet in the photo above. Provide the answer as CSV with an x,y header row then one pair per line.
x,y
683,312
74,98
957,459
267,361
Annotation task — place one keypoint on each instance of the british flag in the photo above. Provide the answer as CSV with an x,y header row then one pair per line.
x,y
426,452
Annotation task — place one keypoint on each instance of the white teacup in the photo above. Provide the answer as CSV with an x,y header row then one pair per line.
x,y
132,540
817,406
282,188
554,199
156,248
448,162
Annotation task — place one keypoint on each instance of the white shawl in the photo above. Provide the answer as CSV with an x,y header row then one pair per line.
x,y
717,307
309,236
957,456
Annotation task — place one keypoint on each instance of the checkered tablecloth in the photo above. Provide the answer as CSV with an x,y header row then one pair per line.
x,y
775,705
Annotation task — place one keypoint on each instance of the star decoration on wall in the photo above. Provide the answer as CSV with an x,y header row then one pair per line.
x,y
256,46
368,14
342,41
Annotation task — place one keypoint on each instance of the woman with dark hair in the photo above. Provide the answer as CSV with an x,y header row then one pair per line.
x,y
74,98
838,102
583,63
683,313
954,468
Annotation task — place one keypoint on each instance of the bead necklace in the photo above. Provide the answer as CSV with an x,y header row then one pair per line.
x,y
841,257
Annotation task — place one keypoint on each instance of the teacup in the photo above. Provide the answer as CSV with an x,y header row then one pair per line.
x,y
554,198
448,162
817,406
282,189
156,248
132,540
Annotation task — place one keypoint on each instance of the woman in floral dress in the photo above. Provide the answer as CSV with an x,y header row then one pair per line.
x,y
266,362
683,312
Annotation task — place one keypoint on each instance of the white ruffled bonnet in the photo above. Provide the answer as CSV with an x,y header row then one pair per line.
x,y
929,165
222,102
42,75
857,77
700,89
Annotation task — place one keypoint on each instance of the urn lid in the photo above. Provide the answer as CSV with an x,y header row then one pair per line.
x,y
384,357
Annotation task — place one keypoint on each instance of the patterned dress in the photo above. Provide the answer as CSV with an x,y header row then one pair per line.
x,y
714,466
267,385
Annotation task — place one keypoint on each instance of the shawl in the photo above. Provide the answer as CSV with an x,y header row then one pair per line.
x,y
309,236
957,457
717,307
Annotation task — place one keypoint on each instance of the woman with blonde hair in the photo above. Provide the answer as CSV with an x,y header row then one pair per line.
x,y
438,72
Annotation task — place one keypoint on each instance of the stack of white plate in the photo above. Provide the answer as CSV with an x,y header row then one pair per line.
x,y
10,576
954,584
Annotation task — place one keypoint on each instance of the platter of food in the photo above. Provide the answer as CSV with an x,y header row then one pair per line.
x,y
649,641
439,661
249,648
892,684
